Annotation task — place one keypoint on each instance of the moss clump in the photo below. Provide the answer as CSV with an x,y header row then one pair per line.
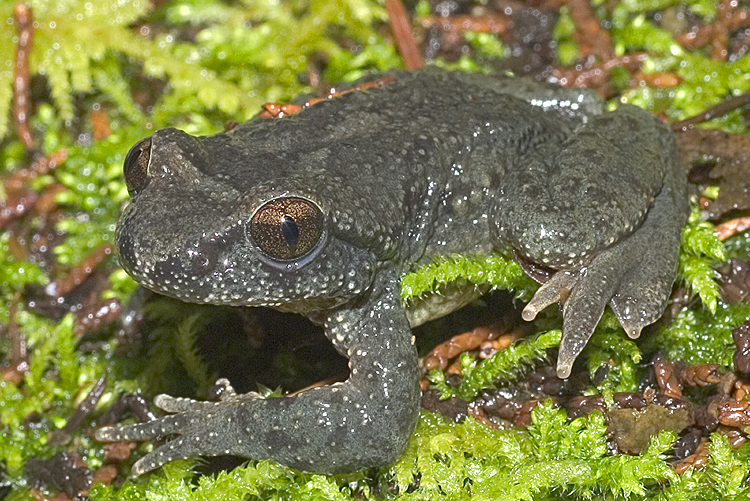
x,y
700,254
493,270
194,65
506,364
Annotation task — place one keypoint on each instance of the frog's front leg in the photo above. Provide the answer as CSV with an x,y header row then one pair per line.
x,y
606,208
366,421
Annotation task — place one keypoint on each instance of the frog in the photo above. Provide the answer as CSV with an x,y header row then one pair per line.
x,y
323,212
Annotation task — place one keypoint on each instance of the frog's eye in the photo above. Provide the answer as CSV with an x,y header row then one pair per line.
x,y
136,166
287,228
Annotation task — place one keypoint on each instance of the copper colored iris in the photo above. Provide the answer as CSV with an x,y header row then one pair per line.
x,y
287,228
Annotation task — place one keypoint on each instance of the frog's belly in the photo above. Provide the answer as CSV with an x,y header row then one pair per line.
x,y
443,301
461,226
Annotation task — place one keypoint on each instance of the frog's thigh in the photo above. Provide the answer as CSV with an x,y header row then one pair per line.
x,y
559,204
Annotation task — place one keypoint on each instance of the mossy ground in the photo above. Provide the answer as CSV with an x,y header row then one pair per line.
x,y
214,61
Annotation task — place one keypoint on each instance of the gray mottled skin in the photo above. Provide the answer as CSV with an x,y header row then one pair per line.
x,y
432,163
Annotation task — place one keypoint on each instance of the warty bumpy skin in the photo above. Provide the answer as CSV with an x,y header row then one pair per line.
x,y
323,212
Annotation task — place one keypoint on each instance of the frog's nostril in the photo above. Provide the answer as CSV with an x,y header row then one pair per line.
x,y
136,165
203,261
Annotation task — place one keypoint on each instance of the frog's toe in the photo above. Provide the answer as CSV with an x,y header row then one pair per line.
x,y
643,292
196,443
173,405
581,313
557,289
631,314
142,431
179,448
584,307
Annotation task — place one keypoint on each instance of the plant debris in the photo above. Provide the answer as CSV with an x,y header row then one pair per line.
x,y
663,417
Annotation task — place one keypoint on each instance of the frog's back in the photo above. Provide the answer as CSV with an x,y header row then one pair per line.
x,y
419,153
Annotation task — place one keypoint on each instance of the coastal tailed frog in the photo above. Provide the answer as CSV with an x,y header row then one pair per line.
x,y
323,212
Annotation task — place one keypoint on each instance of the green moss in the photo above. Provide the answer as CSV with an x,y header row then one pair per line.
x,y
487,45
87,48
172,355
701,252
506,364
738,247
261,480
57,379
698,336
703,81
567,47
552,455
93,178
493,270
220,60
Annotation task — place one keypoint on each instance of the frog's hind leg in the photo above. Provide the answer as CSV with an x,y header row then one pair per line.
x,y
645,288
608,206
637,274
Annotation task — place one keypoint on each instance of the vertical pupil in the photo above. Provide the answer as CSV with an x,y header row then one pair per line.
x,y
290,231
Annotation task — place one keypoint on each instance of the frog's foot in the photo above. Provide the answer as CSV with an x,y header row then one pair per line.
x,y
208,428
634,276
584,294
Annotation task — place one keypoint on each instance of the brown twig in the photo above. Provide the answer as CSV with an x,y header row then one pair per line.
x,y
590,35
92,316
741,337
720,109
666,378
62,436
100,125
21,92
697,460
728,19
39,167
726,230
598,74
276,110
494,24
440,355
401,28
81,271
656,79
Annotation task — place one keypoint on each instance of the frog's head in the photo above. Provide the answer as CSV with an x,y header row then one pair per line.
x,y
197,232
